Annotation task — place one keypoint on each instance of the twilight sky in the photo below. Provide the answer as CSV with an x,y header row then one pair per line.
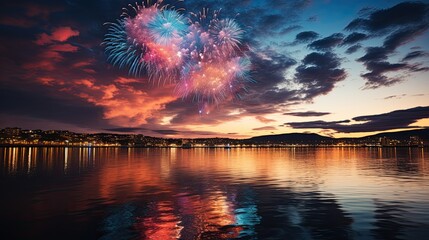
x,y
337,68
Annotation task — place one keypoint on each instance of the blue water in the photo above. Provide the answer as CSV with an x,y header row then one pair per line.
x,y
293,193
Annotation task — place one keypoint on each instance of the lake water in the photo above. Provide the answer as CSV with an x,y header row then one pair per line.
x,y
139,193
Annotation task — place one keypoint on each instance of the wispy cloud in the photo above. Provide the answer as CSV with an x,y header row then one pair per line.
x,y
266,128
307,114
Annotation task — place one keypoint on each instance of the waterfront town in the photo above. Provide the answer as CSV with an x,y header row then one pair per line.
x,y
23,137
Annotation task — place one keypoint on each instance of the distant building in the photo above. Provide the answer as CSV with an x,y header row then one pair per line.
x,y
415,141
13,131
384,141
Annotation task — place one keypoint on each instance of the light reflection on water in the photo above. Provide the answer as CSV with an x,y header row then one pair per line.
x,y
296,193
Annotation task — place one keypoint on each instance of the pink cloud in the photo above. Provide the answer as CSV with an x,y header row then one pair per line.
x,y
45,61
43,39
42,64
52,55
264,119
59,34
62,34
48,58
46,80
84,63
63,48
90,71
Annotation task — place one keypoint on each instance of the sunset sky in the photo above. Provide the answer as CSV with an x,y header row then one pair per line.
x,y
337,68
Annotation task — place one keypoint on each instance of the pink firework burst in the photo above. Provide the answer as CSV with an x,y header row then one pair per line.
x,y
203,53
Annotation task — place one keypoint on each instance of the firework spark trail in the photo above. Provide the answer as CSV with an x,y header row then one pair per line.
x,y
202,54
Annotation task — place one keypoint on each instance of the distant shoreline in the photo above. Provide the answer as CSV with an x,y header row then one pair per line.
x,y
210,147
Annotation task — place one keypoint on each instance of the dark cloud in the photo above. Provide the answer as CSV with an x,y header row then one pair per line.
x,y
395,96
402,36
312,19
401,23
417,68
265,95
375,61
374,54
42,105
402,15
327,43
317,124
166,132
395,119
353,49
305,37
354,38
185,111
414,55
380,122
376,77
307,114
318,73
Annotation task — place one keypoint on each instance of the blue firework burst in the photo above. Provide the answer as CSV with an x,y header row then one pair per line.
x,y
120,51
166,26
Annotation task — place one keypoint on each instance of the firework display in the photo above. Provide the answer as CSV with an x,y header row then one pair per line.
x,y
201,53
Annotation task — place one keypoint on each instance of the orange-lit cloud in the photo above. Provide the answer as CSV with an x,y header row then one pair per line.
x,y
86,82
123,104
123,80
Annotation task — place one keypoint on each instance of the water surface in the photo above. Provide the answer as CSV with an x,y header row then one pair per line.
x,y
146,193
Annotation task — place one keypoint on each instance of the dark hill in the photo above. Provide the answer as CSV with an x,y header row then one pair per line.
x,y
313,138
